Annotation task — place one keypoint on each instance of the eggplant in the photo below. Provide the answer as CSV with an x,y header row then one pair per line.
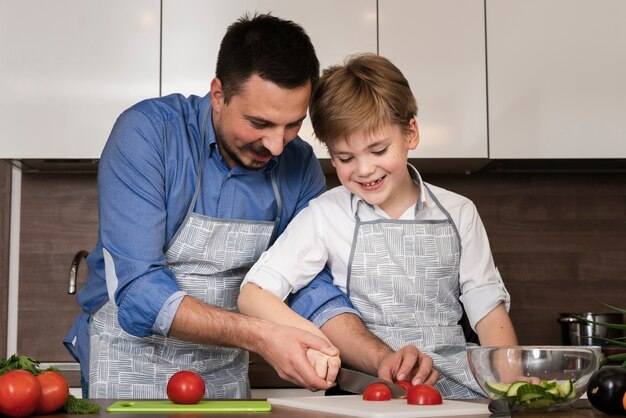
x,y
606,390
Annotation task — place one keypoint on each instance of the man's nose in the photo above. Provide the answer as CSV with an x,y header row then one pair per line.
x,y
275,140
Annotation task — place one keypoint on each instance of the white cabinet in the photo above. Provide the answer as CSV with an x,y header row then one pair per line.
x,y
193,30
557,84
439,45
68,68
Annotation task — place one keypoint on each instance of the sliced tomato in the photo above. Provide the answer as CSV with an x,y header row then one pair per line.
x,y
422,394
377,392
404,384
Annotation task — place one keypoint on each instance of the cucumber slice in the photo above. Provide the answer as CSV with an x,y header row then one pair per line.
x,y
498,389
541,403
529,392
548,384
567,389
512,392
554,392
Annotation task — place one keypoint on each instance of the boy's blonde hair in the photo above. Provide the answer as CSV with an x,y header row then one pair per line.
x,y
364,94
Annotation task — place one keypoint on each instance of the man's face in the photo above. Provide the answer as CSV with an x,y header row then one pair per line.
x,y
258,121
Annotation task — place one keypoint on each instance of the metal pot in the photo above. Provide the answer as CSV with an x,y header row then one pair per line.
x,y
575,331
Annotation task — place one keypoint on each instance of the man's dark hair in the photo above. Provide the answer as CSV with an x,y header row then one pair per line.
x,y
275,49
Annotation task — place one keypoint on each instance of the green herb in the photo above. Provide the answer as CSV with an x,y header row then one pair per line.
x,y
16,362
74,405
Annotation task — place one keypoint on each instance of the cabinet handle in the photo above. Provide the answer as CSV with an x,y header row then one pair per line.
x,y
71,287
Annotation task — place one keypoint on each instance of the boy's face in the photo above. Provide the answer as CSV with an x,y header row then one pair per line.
x,y
258,121
373,166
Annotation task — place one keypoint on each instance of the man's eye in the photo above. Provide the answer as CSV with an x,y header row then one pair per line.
x,y
258,124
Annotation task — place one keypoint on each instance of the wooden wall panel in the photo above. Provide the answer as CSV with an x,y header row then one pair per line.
x,y
558,239
59,218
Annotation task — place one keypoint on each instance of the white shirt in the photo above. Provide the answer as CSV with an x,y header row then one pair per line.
x,y
323,232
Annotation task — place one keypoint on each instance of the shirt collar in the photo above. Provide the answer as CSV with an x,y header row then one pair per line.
x,y
417,179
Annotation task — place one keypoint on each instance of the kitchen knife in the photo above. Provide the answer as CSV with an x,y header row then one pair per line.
x,y
356,382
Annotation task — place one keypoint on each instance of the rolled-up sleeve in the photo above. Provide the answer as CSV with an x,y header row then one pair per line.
x,y
294,259
482,288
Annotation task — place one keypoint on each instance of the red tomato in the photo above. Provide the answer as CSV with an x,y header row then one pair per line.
x,y
185,387
19,393
377,392
54,392
422,394
404,384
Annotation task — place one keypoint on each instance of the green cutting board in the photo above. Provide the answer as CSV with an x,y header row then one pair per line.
x,y
202,406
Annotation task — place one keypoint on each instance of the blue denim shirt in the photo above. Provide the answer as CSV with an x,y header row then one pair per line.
x,y
146,180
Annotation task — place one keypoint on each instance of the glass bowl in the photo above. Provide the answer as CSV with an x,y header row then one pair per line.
x,y
534,378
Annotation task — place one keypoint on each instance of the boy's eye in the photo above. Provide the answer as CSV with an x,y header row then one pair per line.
x,y
344,159
380,152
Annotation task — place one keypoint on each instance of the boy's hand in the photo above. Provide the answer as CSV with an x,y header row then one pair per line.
x,y
325,366
408,363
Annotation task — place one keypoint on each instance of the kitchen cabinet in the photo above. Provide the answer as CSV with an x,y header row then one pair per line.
x,y
68,68
439,45
193,29
556,78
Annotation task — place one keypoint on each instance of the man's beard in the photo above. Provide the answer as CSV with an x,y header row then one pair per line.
x,y
256,149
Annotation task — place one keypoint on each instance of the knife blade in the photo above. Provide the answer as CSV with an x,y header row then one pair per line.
x,y
356,382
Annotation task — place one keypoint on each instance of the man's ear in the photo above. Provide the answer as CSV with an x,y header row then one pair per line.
x,y
217,94
413,134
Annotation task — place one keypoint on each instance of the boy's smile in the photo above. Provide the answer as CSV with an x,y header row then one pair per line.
x,y
373,166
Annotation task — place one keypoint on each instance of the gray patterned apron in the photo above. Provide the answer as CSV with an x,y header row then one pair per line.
x,y
403,276
209,258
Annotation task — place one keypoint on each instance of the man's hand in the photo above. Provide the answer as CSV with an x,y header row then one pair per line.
x,y
286,349
408,363
283,347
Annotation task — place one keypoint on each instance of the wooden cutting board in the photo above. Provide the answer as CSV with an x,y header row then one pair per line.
x,y
354,405
202,406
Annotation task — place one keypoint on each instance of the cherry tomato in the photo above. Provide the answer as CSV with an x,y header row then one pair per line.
x,y
377,392
422,394
404,384
19,393
54,392
185,387
607,388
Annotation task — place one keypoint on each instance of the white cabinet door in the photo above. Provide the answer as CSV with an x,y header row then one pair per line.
x,y
193,30
439,45
68,68
557,84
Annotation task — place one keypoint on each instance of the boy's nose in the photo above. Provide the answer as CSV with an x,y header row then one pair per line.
x,y
366,167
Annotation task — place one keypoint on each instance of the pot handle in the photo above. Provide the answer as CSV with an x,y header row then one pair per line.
x,y
567,320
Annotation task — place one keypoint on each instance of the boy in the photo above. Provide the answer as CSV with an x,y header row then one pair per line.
x,y
407,253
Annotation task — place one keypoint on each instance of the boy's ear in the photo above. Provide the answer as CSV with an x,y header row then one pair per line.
x,y
413,134
217,94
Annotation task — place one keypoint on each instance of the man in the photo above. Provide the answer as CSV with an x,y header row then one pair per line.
x,y
191,192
